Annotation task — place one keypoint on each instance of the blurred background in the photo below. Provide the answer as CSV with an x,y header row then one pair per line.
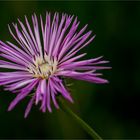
x,y
111,109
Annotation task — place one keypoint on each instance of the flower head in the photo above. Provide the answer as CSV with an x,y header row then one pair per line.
x,y
43,55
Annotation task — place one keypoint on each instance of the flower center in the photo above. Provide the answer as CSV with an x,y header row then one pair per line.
x,y
43,67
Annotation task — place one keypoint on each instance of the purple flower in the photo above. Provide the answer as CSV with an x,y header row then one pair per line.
x,y
45,54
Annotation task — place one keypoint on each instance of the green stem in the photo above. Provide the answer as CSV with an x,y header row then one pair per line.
x,y
82,123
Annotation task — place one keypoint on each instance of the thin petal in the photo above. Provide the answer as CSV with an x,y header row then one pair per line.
x,y
22,95
83,76
61,89
29,106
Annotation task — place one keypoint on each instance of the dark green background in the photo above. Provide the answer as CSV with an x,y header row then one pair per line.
x,y
112,109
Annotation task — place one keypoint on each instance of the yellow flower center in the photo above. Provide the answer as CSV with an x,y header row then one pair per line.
x,y
43,67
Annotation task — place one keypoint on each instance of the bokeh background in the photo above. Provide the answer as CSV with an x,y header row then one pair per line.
x,y
111,109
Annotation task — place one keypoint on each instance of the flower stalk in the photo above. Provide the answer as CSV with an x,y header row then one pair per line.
x,y
81,122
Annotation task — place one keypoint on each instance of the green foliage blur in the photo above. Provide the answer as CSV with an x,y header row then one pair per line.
x,y
111,109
